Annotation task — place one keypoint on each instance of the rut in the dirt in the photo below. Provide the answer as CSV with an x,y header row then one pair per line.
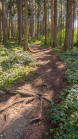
x,y
25,117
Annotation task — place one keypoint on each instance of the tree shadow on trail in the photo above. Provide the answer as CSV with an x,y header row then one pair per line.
x,y
47,78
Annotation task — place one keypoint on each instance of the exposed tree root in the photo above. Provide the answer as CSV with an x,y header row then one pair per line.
x,y
46,99
20,93
29,49
35,120
29,101
6,107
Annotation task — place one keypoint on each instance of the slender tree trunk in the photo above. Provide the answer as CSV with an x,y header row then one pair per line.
x,y
51,21
38,19
45,15
11,26
20,20
61,24
55,24
26,25
35,20
3,23
0,25
73,24
77,27
18,17
32,22
68,25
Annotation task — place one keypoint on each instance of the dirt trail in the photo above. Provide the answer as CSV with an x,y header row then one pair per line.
x,y
26,119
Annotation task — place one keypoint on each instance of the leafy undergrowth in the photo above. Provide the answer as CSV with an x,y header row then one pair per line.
x,y
64,116
14,64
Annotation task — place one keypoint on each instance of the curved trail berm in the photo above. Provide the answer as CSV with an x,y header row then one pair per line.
x,y
27,118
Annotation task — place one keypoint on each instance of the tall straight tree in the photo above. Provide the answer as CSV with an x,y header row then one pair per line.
x,y
51,21
68,25
61,24
32,25
55,24
38,18
73,23
45,15
20,21
26,25
0,25
3,23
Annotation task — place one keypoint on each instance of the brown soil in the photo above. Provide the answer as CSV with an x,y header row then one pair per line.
x,y
47,80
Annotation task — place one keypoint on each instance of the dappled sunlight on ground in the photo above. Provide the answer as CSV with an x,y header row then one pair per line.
x,y
43,83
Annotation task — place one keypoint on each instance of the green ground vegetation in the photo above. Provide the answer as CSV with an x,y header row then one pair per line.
x,y
64,116
15,63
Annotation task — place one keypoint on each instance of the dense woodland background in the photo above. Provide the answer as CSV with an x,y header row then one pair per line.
x,y
53,22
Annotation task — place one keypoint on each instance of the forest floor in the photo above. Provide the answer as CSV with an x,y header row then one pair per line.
x,y
23,113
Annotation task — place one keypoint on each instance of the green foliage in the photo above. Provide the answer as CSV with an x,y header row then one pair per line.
x,y
65,115
14,64
41,39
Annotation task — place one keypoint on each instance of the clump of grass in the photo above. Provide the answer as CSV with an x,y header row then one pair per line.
x,y
14,64
65,115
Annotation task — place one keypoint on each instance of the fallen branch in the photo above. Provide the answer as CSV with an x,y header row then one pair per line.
x,y
35,120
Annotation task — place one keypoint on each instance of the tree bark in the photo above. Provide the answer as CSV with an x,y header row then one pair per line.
x,y
51,21
3,23
45,16
38,19
73,24
26,25
0,25
68,25
55,24
32,22
61,24
20,20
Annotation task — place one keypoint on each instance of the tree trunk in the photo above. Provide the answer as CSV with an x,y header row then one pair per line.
x,y
20,20
51,21
32,22
68,25
45,16
55,24
0,25
26,25
3,23
61,24
73,24
77,27
35,20
38,19
11,26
